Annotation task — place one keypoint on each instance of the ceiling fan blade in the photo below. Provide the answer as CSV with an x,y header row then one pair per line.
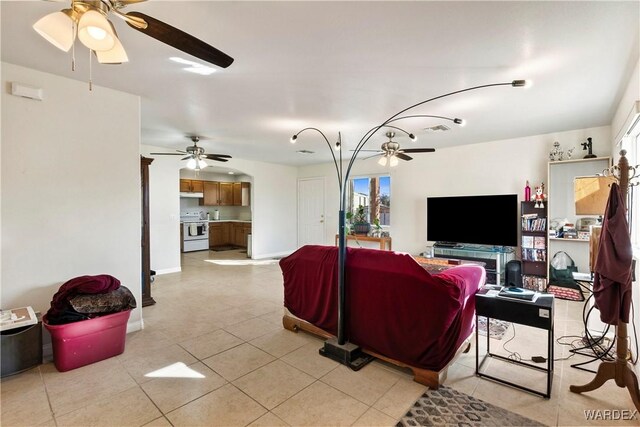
x,y
377,151
218,159
181,40
186,158
418,150
375,155
210,156
403,156
167,154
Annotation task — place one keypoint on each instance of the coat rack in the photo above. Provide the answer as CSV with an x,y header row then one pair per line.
x,y
619,369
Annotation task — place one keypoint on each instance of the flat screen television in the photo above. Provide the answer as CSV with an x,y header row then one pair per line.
x,y
481,220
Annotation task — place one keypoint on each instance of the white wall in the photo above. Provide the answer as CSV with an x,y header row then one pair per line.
x,y
70,188
273,204
622,117
497,167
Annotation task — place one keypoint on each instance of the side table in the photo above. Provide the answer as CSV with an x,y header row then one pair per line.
x,y
537,314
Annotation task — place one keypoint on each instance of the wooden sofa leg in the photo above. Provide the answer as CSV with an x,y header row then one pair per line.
x,y
431,379
290,323
293,324
466,350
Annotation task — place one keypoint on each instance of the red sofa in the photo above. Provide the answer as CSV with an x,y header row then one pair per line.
x,y
396,310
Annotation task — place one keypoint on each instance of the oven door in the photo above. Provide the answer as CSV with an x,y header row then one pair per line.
x,y
195,231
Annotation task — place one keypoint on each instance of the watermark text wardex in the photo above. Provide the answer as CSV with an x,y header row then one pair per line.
x,y
610,414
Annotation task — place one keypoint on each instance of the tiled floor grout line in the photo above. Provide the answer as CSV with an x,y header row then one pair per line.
x,y
44,384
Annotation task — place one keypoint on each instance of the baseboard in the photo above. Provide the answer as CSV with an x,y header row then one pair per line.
x,y
136,325
169,271
273,255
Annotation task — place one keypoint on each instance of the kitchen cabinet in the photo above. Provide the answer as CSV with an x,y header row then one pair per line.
x,y
220,233
226,233
211,190
226,194
191,186
238,234
237,194
217,193
215,235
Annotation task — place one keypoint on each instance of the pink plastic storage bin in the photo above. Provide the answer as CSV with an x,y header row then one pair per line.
x,y
88,341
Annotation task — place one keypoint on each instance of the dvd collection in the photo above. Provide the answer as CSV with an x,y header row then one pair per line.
x,y
531,222
534,283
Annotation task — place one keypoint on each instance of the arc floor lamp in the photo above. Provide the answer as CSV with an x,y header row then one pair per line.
x,y
339,349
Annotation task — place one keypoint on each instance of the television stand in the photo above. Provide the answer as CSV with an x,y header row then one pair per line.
x,y
494,257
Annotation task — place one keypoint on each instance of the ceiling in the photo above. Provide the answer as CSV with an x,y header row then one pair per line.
x,y
348,66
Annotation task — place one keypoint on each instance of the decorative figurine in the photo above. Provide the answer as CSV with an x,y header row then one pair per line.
x,y
570,152
556,153
539,197
588,146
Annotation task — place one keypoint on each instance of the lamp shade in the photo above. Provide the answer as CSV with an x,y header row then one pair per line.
x,y
383,161
58,29
591,194
95,31
191,163
116,55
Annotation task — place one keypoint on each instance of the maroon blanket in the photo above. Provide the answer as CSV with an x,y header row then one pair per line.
x,y
394,307
99,284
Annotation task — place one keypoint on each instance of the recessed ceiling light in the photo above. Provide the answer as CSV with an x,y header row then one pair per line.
x,y
194,67
305,152
231,173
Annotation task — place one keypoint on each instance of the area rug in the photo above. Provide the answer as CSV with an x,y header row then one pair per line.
x,y
497,328
448,407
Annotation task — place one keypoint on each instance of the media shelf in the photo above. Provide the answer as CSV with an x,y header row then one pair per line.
x,y
534,244
494,257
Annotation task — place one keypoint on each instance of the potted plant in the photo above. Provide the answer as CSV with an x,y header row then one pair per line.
x,y
359,221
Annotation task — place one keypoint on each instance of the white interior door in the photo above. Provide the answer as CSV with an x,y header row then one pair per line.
x,y
311,224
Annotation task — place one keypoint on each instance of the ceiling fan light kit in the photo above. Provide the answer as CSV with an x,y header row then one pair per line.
x,y
58,28
115,55
195,155
88,20
95,31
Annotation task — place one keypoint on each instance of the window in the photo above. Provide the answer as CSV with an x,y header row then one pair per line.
x,y
374,193
631,143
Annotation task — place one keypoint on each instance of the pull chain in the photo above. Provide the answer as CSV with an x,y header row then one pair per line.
x,y
90,71
73,53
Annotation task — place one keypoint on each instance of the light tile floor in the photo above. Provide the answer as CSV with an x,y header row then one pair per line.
x,y
218,325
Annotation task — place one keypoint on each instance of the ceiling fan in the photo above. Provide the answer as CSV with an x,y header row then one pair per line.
x,y
88,20
195,155
391,151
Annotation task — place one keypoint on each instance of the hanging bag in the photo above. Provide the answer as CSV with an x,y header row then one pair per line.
x,y
561,281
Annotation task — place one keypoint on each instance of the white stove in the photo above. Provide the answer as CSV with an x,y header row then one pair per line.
x,y
195,232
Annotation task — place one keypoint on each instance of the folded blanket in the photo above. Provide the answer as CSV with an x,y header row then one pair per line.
x,y
111,302
60,305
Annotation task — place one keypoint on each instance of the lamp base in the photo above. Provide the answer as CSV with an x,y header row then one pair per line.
x,y
347,354
590,156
